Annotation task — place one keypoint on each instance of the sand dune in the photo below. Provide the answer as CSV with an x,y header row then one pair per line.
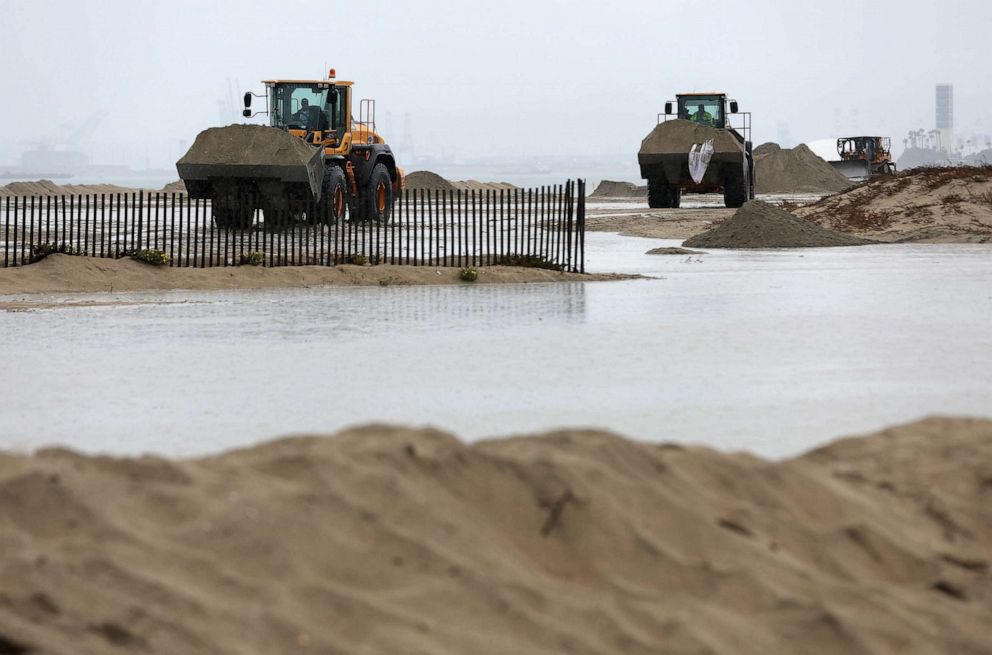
x,y
936,205
49,188
430,181
66,273
391,540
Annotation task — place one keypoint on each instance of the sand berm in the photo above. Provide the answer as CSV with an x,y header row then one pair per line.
x,y
392,540
67,274
760,225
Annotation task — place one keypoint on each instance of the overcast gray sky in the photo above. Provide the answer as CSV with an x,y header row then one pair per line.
x,y
487,78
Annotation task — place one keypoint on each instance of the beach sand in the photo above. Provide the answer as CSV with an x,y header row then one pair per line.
x,y
66,273
392,540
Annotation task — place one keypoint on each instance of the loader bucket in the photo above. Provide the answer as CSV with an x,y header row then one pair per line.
x,y
255,159
852,170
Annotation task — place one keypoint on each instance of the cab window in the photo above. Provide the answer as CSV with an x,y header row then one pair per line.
x,y
303,107
705,110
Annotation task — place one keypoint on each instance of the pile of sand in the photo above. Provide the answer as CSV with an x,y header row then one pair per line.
x,y
426,181
429,181
49,188
611,189
766,149
475,185
938,205
794,170
390,540
249,145
67,273
175,187
680,135
760,225
673,251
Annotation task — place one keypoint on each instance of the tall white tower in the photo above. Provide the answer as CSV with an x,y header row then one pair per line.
x,y
945,117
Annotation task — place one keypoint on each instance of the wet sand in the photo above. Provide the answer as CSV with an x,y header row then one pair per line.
x,y
65,273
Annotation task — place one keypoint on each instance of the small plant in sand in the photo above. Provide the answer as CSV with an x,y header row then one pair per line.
x,y
254,258
468,274
358,260
42,250
150,256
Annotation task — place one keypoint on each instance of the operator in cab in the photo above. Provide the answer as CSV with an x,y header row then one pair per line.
x,y
702,116
302,116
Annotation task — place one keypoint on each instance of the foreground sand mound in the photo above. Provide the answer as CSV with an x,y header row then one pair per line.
x,y
389,540
937,205
794,170
611,189
760,225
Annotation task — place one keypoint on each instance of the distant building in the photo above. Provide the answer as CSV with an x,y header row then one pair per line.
x,y
945,117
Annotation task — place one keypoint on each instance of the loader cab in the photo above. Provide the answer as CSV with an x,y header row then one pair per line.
x,y
706,109
309,107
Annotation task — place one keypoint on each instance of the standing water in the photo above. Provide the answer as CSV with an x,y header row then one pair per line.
x,y
768,351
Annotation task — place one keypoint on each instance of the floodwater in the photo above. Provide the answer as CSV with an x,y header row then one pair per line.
x,y
768,351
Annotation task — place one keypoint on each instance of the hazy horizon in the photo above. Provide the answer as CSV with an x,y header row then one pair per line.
x,y
133,84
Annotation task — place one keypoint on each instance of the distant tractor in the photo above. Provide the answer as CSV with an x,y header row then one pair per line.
x,y
313,155
864,157
695,120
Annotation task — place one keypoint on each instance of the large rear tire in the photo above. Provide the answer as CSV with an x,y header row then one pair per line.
x,y
378,196
280,214
661,195
735,189
232,213
334,195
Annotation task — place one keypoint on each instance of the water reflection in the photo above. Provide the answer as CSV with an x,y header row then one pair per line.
x,y
767,351
331,312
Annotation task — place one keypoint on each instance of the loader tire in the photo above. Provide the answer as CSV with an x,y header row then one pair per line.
x,y
277,215
661,195
378,196
735,190
232,213
334,196
750,178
